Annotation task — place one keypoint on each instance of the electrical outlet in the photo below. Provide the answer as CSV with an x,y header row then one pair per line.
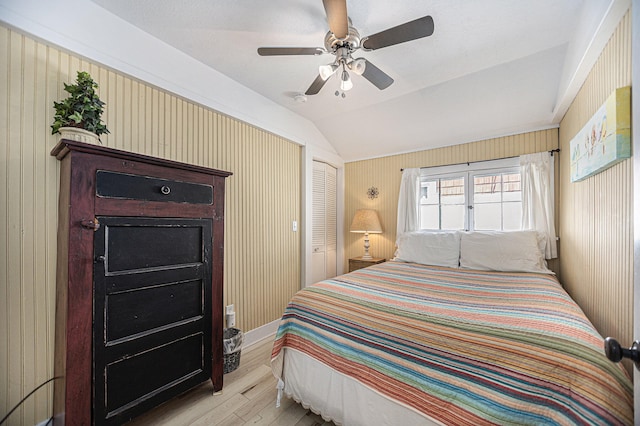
x,y
230,316
231,319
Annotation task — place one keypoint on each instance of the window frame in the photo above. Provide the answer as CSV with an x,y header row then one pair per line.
x,y
468,171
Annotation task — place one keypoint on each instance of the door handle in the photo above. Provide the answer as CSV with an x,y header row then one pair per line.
x,y
615,352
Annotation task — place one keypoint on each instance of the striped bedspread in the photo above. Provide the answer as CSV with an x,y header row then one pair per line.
x,y
461,346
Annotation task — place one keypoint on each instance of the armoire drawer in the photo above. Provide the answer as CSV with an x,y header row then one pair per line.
x,y
125,186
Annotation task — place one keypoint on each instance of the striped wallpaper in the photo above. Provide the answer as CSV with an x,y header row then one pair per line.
x,y
384,174
262,254
596,215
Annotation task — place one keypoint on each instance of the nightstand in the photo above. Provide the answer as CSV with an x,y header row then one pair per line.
x,y
358,263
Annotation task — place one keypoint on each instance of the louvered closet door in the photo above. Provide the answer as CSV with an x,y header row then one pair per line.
x,y
324,222
331,220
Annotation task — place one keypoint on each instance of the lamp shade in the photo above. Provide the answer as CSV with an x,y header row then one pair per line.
x,y
345,81
358,66
366,220
327,71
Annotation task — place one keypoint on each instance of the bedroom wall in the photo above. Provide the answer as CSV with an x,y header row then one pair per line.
x,y
596,215
384,174
262,254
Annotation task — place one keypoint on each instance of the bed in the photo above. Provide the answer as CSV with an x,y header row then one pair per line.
x,y
430,340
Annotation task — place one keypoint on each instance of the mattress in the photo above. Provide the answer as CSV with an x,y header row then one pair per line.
x,y
405,343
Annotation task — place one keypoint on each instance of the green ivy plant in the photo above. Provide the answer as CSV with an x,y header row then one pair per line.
x,y
83,108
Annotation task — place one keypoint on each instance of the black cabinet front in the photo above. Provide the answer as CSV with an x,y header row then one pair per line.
x,y
152,312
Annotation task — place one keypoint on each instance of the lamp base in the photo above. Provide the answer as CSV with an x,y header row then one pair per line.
x,y
366,255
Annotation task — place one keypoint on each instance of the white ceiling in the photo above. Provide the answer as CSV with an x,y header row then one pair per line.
x,y
491,68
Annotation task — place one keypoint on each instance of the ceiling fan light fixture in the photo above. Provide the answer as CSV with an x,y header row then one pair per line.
x,y
345,81
327,71
358,66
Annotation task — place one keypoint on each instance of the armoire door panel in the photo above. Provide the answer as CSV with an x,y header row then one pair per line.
x,y
153,277
149,338
134,344
131,247
164,305
132,380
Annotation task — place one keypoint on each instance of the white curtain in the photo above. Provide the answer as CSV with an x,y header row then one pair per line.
x,y
536,172
408,213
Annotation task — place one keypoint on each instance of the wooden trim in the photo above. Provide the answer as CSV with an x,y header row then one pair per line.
x,y
217,310
64,146
78,352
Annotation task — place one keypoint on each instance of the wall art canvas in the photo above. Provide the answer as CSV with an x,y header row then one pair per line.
x,y
606,138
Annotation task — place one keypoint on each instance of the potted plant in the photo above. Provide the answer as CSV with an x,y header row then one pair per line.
x,y
79,116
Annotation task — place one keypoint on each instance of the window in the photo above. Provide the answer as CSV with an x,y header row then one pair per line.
x,y
481,196
442,203
497,201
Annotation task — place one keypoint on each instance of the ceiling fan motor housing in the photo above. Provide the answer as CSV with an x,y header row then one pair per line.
x,y
351,41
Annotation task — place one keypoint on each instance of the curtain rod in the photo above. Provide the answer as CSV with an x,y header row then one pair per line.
x,y
468,163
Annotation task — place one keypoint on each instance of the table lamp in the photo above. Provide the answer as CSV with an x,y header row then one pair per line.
x,y
366,221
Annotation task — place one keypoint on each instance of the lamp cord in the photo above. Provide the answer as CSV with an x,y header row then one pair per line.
x,y
4,419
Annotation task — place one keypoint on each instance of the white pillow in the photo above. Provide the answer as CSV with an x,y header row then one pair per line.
x,y
515,251
429,248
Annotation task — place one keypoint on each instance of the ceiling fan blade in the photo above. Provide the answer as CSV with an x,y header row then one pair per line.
x,y
337,17
376,76
315,87
278,51
412,30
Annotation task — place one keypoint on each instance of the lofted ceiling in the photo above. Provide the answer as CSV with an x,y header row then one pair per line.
x,y
491,67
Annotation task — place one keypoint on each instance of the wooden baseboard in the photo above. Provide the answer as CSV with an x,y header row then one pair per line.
x,y
258,335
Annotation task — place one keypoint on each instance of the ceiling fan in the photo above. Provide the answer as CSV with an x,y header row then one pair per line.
x,y
343,40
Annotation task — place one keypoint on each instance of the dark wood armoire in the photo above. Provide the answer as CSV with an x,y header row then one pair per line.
x,y
139,316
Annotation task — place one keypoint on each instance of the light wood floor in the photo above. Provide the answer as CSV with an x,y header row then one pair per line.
x,y
248,398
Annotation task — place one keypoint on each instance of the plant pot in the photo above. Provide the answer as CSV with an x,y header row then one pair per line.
x,y
80,135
